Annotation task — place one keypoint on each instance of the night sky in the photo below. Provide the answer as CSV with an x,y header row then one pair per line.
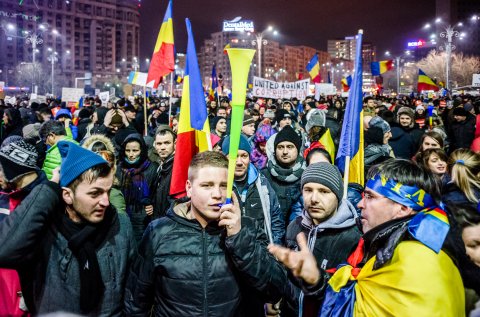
x,y
387,24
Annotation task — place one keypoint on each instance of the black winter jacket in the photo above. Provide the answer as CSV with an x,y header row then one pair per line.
x,y
162,200
186,270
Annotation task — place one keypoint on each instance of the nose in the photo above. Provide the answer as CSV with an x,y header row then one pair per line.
x,y
314,197
217,192
361,203
104,200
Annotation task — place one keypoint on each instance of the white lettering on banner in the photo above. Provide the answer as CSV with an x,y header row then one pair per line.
x,y
271,89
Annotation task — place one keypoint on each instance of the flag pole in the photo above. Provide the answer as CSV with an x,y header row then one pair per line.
x,y
145,109
170,100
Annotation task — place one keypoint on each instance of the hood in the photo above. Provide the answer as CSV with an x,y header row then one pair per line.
x,y
143,147
91,140
65,112
344,217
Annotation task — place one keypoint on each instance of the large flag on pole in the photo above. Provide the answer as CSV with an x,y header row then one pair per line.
x,y
425,82
163,58
346,83
350,158
381,67
313,68
213,91
193,128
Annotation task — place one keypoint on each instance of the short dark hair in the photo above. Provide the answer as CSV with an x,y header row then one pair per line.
x,y
318,150
165,129
52,126
92,174
407,173
206,159
220,108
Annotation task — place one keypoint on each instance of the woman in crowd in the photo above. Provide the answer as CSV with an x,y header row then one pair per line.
x,y
137,176
433,160
464,187
429,140
259,152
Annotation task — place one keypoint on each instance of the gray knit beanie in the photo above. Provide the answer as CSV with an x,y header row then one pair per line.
x,y
325,174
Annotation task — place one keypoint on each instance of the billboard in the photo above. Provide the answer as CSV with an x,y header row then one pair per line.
x,y
238,25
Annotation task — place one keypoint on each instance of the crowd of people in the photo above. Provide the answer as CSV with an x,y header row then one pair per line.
x,y
88,225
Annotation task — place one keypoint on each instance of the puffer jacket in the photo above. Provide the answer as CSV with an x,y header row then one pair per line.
x,y
186,270
53,158
49,273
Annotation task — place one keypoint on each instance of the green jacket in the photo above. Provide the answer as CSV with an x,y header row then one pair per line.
x,y
53,158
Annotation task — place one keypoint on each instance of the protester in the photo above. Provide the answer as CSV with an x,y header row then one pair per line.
x,y
164,144
284,172
463,129
86,247
397,262
435,161
258,199
213,260
329,223
51,132
137,176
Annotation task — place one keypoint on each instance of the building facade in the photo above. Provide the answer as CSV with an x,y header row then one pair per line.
x,y
85,38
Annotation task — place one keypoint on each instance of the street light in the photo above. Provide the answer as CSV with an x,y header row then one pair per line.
x,y
53,58
448,34
259,41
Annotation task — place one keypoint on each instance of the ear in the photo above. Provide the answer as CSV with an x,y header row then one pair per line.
x,y
67,195
188,188
404,211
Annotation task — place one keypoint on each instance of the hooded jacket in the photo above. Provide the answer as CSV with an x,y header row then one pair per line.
x,y
331,242
186,270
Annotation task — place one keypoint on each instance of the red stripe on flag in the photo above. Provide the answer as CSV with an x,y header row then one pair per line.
x,y
162,63
186,148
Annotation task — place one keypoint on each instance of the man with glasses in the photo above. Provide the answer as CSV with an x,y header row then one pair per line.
x,y
51,132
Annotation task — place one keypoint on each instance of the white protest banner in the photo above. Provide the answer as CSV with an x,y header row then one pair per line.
x,y
324,89
104,96
11,100
2,85
476,80
271,89
72,94
97,91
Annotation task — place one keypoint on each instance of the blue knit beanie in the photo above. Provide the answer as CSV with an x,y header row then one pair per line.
x,y
244,145
75,161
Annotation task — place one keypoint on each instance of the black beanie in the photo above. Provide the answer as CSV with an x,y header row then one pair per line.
x,y
281,114
288,134
460,111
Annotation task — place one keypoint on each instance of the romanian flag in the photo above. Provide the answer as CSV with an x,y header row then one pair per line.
x,y
346,83
193,128
212,92
351,140
163,58
381,67
425,82
178,79
313,68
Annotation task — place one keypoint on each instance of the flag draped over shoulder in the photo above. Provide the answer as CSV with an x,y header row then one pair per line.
x,y
313,68
425,82
163,58
193,128
351,139
381,67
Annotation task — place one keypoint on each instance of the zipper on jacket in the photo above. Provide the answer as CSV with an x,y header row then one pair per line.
x,y
204,256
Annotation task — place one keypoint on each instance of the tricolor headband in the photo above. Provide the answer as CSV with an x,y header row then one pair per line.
x,y
410,196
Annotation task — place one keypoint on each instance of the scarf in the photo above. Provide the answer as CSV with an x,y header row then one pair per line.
x,y
135,187
83,240
287,175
